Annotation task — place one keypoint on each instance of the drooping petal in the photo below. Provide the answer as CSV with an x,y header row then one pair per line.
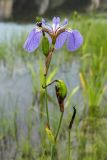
x,y
33,40
61,40
74,40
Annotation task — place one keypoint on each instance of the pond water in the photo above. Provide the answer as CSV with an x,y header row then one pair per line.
x,y
18,87
8,29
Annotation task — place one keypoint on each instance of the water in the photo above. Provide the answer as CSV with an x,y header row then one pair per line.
x,y
7,30
16,87
19,85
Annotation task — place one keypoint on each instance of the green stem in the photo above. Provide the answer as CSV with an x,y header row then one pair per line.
x,y
59,126
69,144
54,151
46,103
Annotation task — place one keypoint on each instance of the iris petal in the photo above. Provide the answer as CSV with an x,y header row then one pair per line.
x,y
58,20
33,40
43,21
61,40
65,22
54,20
74,40
46,25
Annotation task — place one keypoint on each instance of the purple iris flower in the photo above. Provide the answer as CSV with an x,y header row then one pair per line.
x,y
57,34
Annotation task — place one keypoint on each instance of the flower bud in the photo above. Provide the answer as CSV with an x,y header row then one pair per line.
x,y
45,46
61,92
50,135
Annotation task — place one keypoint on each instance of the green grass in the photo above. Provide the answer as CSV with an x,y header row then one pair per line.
x,y
88,135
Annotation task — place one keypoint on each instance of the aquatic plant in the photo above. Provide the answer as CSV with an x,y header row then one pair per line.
x,y
53,38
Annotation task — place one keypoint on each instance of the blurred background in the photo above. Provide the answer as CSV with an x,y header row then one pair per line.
x,y
22,105
14,9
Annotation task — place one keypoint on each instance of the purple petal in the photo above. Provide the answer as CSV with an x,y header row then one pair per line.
x,y
43,21
61,40
46,25
65,22
74,40
58,20
33,40
54,20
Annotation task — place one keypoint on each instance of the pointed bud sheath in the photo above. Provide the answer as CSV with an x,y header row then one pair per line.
x,y
48,60
45,46
38,19
61,92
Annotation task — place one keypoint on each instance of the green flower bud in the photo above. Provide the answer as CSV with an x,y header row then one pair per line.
x,y
38,19
45,46
61,92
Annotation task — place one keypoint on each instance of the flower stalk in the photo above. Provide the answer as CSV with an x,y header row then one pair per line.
x,y
47,64
54,150
59,126
53,38
46,103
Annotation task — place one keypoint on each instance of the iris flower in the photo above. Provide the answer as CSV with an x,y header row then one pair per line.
x,y
57,34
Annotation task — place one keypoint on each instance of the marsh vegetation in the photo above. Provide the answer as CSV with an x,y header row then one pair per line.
x,y
22,112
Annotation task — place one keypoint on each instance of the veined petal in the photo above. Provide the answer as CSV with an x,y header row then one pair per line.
x,y
61,40
56,21
46,25
65,22
33,40
74,40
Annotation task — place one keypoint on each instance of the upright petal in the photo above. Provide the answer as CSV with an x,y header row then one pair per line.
x,y
56,21
74,40
33,40
43,21
65,22
46,25
61,40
